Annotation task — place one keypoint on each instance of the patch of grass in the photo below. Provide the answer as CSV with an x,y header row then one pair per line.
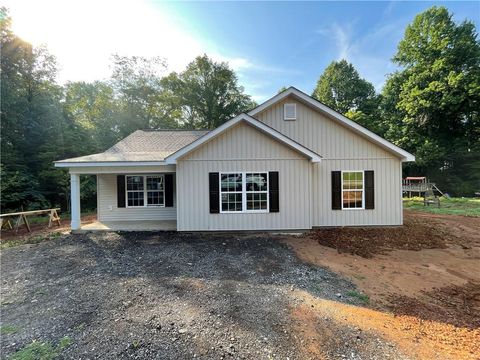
x,y
34,239
41,350
448,206
362,297
8,329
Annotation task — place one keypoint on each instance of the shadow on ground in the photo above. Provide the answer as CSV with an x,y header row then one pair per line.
x,y
171,295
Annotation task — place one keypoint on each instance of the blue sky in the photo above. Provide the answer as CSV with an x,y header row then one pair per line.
x,y
268,44
291,43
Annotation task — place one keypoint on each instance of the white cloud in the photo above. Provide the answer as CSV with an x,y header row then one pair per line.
x,y
84,34
369,53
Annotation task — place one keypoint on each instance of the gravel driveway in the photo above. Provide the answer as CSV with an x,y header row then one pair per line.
x,y
167,296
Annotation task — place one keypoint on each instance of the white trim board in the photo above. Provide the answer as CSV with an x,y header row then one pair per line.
x,y
61,164
405,155
314,157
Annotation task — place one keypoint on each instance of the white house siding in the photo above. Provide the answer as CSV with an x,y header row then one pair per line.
x,y
341,149
107,209
243,148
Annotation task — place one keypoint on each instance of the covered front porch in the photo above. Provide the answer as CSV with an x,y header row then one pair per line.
x,y
151,206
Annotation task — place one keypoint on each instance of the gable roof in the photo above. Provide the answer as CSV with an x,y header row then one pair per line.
x,y
352,125
143,147
314,157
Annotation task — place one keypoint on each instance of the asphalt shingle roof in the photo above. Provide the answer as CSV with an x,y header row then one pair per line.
x,y
142,145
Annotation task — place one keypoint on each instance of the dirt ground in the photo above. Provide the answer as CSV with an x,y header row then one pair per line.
x,y
171,295
41,229
426,300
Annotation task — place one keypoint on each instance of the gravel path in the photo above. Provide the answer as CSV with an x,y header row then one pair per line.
x,y
169,296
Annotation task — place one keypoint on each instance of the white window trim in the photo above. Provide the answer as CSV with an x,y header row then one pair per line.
x,y
145,197
363,188
285,111
244,192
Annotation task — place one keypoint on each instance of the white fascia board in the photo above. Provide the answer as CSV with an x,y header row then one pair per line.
x,y
405,155
112,163
314,157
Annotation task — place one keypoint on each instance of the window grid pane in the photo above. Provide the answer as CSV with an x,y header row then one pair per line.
x,y
352,189
135,198
134,183
232,202
154,182
256,191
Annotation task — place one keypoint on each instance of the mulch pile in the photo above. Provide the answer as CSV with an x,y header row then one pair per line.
x,y
455,305
416,234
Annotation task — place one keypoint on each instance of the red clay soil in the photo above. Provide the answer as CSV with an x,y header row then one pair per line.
x,y
423,281
416,234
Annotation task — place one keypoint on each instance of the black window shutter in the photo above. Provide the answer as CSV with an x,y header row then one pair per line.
x,y
336,190
369,190
168,190
214,193
121,191
273,195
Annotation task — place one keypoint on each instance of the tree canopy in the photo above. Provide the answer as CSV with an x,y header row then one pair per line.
x,y
206,93
341,88
429,106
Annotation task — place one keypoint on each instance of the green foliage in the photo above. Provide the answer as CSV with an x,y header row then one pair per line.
x,y
31,239
42,122
431,106
365,299
41,350
8,329
448,206
341,88
207,93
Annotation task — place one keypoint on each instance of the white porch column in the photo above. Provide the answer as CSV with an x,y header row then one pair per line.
x,y
75,201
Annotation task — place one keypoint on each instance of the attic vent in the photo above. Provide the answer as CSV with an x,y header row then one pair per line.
x,y
290,112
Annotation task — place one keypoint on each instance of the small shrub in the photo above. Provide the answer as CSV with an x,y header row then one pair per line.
x,y
362,297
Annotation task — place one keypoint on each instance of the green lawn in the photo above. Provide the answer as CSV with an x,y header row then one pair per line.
x,y
448,206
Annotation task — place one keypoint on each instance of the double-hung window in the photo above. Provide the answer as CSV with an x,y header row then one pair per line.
x,y
231,190
352,190
257,191
244,192
145,190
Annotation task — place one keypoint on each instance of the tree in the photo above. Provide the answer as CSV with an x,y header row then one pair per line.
x,y
207,94
341,88
92,111
432,104
31,119
137,83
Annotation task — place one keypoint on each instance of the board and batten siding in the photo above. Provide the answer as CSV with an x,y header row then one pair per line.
x,y
243,148
107,209
341,149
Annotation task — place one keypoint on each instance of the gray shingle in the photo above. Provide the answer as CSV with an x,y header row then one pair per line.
x,y
154,145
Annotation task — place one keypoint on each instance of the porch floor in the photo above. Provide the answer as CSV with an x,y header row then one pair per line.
x,y
139,225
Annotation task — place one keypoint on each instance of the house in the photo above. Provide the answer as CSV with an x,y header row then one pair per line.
x,y
291,163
